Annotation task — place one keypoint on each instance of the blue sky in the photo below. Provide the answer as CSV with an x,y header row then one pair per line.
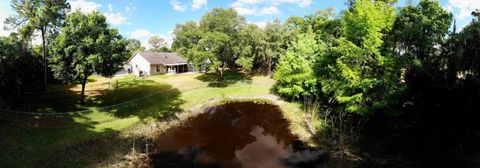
x,y
142,19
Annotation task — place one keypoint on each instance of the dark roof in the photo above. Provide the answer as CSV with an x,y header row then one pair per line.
x,y
163,58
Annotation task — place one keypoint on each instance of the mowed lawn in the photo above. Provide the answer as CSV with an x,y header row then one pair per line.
x,y
86,139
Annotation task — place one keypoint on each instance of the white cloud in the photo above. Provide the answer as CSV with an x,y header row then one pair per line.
x,y
115,18
245,11
260,24
463,8
245,3
305,3
265,7
84,6
177,6
270,10
197,4
143,35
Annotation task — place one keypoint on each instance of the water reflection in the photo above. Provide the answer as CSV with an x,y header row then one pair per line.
x,y
239,134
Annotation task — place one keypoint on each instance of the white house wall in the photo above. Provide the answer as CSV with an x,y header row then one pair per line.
x,y
138,64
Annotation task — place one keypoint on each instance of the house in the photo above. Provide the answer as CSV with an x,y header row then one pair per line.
x,y
152,63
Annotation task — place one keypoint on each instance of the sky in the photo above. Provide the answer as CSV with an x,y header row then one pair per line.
x,y
141,19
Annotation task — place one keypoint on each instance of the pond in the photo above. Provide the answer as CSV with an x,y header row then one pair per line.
x,y
235,134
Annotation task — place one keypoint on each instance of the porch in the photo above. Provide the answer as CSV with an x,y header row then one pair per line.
x,y
176,68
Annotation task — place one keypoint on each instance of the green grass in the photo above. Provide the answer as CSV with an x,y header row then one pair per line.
x,y
87,139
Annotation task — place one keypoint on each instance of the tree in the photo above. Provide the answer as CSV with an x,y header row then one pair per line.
x,y
210,52
418,31
134,46
43,15
294,74
417,36
158,44
275,41
9,49
186,38
86,45
251,46
355,73
226,25
468,55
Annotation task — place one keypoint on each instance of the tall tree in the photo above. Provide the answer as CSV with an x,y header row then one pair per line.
x,y
134,45
418,34
9,49
45,16
86,45
275,41
158,44
226,24
186,37
210,52
356,73
295,74
251,45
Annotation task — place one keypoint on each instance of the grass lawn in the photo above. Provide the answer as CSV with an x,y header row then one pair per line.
x,y
84,139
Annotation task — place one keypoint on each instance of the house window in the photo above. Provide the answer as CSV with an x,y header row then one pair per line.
x,y
158,69
136,65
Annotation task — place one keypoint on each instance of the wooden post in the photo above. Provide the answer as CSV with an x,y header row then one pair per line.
x,y
117,83
133,149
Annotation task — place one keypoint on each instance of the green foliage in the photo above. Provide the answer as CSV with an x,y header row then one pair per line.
x,y
87,45
251,44
294,74
355,73
223,40
46,16
186,37
419,30
468,56
276,35
9,49
158,44
134,46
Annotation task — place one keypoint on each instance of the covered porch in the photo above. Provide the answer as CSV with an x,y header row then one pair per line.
x,y
176,68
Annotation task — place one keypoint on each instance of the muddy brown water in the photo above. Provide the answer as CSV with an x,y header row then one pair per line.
x,y
235,134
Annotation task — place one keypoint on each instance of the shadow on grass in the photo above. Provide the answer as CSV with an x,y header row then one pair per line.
x,y
230,77
60,99
141,98
59,141
78,140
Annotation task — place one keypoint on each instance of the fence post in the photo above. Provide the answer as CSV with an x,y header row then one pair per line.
x,y
117,83
133,149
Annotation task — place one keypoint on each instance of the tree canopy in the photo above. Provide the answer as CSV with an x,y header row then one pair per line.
x,y
87,45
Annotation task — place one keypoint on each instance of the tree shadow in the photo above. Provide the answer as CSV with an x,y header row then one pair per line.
x,y
230,77
142,98
79,140
434,132
59,141
61,99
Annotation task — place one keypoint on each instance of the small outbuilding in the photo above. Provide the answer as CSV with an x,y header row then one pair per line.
x,y
153,63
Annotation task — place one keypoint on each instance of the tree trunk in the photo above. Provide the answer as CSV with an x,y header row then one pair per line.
x,y
44,55
82,99
220,72
269,65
